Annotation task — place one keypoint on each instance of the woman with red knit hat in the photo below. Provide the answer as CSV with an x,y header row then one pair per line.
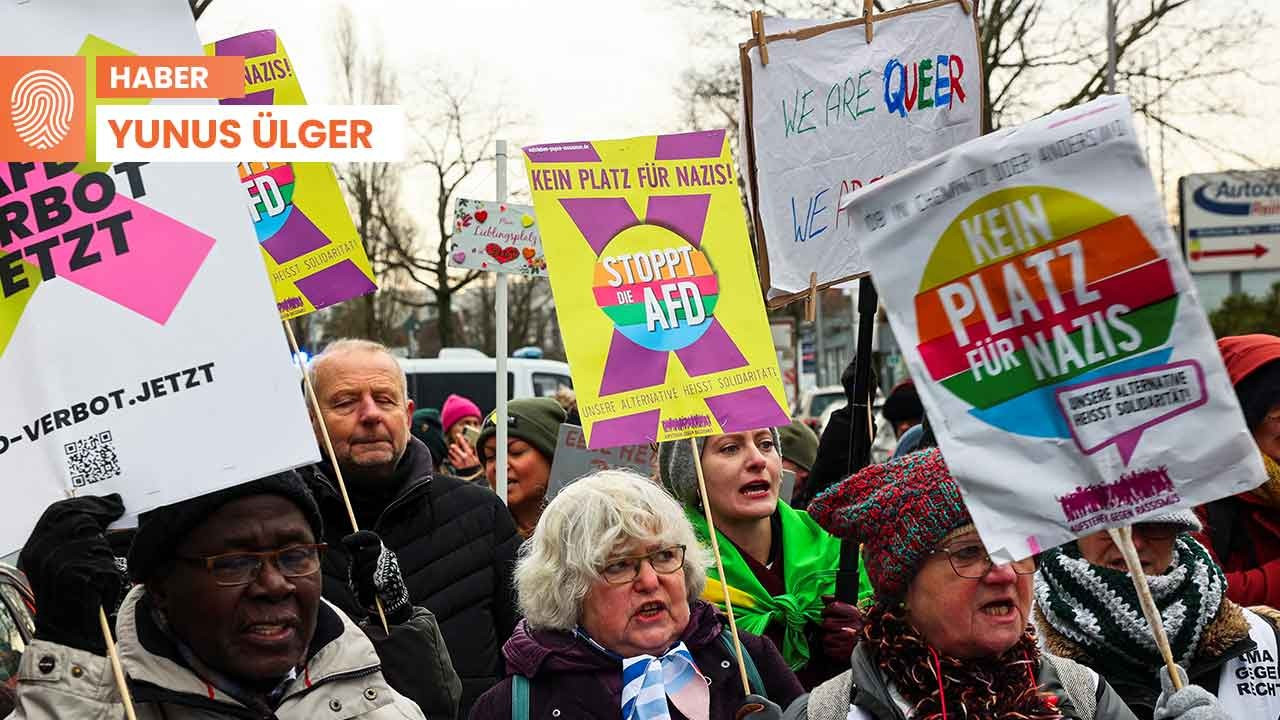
x,y
1243,531
949,633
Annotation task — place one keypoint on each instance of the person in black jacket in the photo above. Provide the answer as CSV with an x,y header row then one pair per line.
x,y
455,541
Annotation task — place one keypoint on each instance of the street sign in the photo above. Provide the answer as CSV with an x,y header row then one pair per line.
x,y
1231,220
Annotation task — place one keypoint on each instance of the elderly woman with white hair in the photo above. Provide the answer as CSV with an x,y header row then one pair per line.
x,y
608,585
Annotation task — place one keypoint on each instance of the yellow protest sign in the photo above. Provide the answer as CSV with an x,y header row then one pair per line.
x,y
655,287
313,253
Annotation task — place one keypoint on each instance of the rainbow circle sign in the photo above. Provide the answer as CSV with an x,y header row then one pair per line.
x,y
1060,352
658,301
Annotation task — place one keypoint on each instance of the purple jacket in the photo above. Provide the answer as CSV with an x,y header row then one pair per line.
x,y
571,680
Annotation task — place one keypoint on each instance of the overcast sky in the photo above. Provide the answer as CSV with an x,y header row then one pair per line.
x,y
589,69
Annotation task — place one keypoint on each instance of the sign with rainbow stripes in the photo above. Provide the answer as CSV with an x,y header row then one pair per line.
x,y
1059,349
658,301
312,250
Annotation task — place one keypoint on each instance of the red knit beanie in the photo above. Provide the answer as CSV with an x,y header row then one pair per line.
x,y
899,511
1243,354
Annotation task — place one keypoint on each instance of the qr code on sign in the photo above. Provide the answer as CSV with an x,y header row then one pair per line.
x,y
92,459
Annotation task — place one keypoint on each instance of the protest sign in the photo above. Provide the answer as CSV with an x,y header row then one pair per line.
x,y
497,237
313,253
140,349
654,287
831,112
1059,348
574,459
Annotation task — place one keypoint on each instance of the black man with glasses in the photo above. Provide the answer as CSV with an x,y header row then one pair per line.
x,y
226,621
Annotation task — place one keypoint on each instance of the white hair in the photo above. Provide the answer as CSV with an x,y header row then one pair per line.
x,y
351,345
586,525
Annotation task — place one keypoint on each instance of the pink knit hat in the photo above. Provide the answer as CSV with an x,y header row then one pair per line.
x,y
457,408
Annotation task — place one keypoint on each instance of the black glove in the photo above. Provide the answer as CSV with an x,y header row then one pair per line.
x,y
73,571
841,629
755,707
375,573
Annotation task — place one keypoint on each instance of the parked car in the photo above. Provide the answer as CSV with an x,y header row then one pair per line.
x,y
17,627
472,374
815,401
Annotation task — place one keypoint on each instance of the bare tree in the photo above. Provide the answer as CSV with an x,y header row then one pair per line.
x,y
455,139
1040,55
531,317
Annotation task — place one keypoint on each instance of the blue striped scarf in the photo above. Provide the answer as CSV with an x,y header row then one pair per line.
x,y
648,682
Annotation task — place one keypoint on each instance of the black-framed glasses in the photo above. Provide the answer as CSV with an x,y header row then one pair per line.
x,y
970,560
241,568
620,571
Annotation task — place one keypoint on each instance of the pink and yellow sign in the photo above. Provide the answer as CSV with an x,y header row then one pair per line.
x,y
313,253
658,301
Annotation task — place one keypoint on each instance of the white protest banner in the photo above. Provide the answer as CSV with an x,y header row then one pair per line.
x,y
831,112
1060,350
497,237
574,459
140,347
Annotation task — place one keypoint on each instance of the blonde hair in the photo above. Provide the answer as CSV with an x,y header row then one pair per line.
x,y
587,524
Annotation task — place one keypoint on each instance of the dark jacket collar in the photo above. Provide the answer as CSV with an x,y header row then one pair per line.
x,y
530,652
414,470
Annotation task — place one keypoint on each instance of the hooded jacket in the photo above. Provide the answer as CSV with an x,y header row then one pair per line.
x,y
1243,534
871,699
571,679
342,678
456,544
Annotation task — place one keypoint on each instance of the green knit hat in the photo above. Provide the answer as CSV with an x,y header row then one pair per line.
x,y
533,420
799,444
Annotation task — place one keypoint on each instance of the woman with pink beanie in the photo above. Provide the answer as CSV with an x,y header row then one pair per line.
x,y
456,416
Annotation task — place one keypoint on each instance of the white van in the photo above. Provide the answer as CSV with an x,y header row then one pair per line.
x,y
471,374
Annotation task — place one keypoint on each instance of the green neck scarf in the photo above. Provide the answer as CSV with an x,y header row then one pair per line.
x,y
1097,607
810,558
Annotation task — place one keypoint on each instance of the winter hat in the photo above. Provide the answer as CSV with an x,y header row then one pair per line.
x,y
533,420
676,470
458,408
900,511
1183,520
1253,362
903,403
160,531
427,428
799,444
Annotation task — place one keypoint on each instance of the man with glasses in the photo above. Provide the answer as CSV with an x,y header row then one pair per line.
x,y
227,619
1087,610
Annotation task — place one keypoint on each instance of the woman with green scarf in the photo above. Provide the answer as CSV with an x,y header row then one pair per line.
x,y
779,565
1087,610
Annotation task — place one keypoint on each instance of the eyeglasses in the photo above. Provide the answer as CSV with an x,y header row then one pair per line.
x,y
970,560
242,568
665,561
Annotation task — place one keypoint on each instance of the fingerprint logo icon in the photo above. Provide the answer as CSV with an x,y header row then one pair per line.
x,y
41,105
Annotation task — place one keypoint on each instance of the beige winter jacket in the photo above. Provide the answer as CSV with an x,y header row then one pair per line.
x,y
342,679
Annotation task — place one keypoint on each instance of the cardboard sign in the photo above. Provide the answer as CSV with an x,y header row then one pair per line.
x,y
313,254
831,113
654,287
497,237
1060,351
574,459
140,350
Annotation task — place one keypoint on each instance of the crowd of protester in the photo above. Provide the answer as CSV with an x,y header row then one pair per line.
x,y
390,581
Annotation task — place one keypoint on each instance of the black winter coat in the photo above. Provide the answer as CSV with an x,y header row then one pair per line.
x,y
456,543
